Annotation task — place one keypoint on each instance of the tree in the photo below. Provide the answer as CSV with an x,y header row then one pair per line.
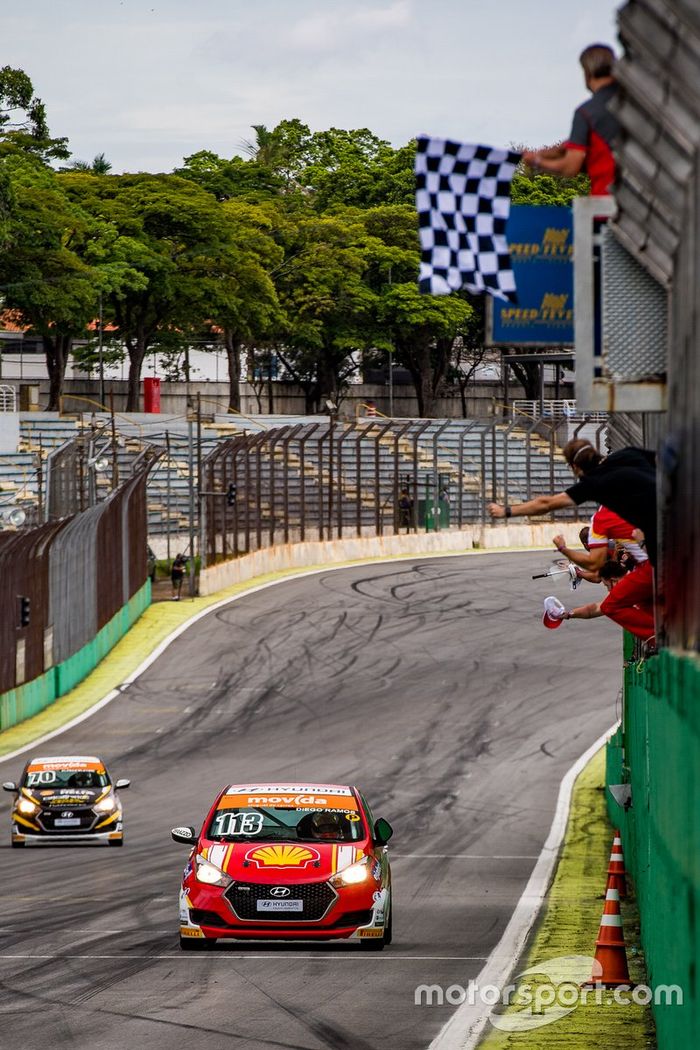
x,y
99,166
245,304
425,329
199,264
58,258
23,125
355,168
470,351
230,178
329,306
421,329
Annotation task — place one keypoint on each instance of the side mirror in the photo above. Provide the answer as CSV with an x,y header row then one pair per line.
x,y
121,784
10,785
382,832
186,835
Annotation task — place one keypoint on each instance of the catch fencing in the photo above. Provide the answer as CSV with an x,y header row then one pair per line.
x,y
657,752
331,479
69,589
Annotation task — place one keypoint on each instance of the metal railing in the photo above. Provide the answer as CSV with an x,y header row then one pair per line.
x,y
556,408
8,398
331,479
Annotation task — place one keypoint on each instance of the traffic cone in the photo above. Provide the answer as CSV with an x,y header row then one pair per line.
x,y
616,867
610,954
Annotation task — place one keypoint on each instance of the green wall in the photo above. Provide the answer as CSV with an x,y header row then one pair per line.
x,y
28,699
657,751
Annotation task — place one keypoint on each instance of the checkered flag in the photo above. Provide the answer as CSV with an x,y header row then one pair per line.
x,y
463,202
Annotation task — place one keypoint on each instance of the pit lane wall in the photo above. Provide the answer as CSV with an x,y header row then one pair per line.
x,y
302,555
657,751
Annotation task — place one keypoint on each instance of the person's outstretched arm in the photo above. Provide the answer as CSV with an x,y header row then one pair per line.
x,y
533,507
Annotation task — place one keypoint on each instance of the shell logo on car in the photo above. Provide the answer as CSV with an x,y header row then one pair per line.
x,y
283,856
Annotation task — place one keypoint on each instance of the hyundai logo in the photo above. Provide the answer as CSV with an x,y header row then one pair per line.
x,y
280,891
67,813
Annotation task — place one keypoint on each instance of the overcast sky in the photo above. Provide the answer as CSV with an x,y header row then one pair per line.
x,y
148,82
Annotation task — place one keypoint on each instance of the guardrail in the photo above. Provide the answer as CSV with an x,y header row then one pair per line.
x,y
556,408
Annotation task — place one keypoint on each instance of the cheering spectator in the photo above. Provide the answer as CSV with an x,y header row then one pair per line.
x,y
625,482
636,618
607,530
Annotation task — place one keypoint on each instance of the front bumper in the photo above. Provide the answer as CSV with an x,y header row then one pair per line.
x,y
104,832
355,912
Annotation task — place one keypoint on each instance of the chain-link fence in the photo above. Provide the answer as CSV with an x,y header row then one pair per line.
x,y
64,582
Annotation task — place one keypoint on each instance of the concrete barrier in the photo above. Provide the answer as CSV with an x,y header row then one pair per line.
x,y
300,555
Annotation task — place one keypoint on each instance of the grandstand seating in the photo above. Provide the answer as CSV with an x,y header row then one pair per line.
x,y
491,455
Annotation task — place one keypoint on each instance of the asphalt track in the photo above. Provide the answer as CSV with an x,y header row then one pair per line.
x,y
430,683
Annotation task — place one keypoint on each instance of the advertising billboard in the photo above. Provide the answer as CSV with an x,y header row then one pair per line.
x,y
541,249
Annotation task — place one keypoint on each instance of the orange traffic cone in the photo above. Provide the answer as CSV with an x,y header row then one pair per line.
x,y
610,954
616,867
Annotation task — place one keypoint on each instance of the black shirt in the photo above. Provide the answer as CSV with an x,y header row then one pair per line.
x,y
624,482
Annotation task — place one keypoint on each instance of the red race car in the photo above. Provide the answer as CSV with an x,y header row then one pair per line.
x,y
287,861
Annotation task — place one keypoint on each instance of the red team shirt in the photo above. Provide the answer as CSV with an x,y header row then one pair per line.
x,y
606,526
593,132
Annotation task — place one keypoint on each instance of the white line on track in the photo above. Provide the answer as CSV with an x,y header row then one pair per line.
x,y
323,957
463,1030
463,856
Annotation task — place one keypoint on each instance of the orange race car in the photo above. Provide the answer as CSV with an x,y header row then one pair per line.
x,y
287,861
64,799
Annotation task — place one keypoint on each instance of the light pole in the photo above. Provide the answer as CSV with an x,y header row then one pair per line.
x,y
332,414
391,382
101,358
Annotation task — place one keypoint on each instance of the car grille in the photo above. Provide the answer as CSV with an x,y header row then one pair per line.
x,y
348,920
47,820
316,897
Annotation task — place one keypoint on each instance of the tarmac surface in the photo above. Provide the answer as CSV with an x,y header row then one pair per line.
x,y
430,683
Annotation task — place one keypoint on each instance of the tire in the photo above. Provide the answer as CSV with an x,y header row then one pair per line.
x,y
116,842
18,845
389,930
196,944
378,944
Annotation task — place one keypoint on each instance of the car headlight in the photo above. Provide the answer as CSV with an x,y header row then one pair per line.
x,y
209,873
106,805
26,806
354,874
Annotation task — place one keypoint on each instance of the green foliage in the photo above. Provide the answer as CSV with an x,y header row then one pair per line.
x,y
547,189
306,248
23,125
230,178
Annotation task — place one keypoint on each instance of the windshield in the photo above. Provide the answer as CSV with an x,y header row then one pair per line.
x,y
56,779
289,823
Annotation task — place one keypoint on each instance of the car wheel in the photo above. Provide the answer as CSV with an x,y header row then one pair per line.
x,y
196,944
17,845
116,842
378,944
389,929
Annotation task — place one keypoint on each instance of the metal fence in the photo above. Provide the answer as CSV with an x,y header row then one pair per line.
x,y
331,479
62,582
87,469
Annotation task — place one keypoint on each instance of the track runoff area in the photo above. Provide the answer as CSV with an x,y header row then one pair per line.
x,y
433,686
